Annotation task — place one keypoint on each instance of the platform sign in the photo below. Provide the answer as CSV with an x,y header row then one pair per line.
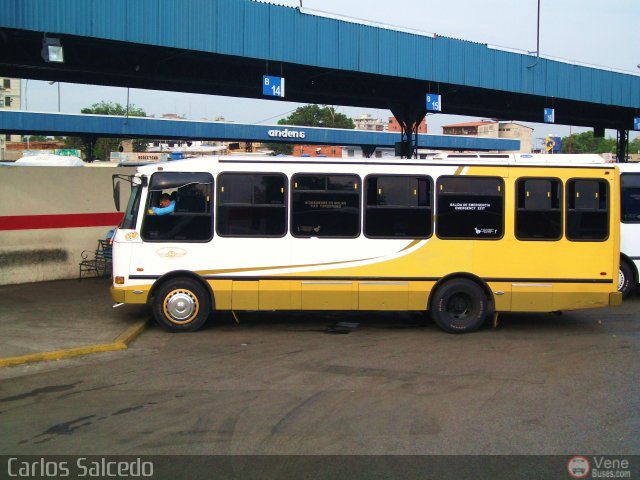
x,y
553,144
434,103
549,115
636,123
273,86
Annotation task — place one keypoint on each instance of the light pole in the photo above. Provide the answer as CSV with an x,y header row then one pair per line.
x,y
51,83
537,40
26,84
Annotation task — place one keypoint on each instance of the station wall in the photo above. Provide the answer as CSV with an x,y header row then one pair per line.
x,y
49,216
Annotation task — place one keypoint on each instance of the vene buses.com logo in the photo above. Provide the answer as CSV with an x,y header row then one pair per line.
x,y
578,467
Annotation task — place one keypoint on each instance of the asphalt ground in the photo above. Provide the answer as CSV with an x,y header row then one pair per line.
x,y
61,319
288,384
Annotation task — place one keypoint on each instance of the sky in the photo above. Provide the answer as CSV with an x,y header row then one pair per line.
x,y
603,33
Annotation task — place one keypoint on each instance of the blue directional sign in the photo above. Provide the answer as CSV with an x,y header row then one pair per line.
x,y
636,123
549,115
434,103
272,86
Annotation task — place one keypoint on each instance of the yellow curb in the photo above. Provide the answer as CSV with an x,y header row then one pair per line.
x,y
120,343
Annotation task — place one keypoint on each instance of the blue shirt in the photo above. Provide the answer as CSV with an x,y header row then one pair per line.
x,y
164,210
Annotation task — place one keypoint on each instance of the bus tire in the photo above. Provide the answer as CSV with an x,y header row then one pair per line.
x,y
626,281
459,306
181,305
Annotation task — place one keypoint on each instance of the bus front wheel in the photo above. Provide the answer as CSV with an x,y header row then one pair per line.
x,y
181,305
459,306
625,278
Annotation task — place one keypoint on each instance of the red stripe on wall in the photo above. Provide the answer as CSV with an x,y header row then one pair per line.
x,y
69,220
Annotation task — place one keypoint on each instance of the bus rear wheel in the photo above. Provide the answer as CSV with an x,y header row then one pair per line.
x,y
625,278
181,305
459,306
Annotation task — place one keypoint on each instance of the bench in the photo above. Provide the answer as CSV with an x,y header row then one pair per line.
x,y
98,261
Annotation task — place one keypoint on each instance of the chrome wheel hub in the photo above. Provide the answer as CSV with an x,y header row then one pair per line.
x,y
181,305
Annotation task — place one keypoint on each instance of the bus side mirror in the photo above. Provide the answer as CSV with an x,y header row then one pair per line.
x,y
116,195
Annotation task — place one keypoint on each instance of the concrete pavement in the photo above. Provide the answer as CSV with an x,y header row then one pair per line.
x,y
63,319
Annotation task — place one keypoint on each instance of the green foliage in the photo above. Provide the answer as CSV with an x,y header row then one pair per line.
x,y
586,143
280,148
110,108
315,116
634,145
102,147
311,116
140,144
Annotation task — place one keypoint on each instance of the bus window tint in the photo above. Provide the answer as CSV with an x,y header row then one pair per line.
x,y
470,208
587,210
251,205
630,197
538,212
190,220
325,205
398,207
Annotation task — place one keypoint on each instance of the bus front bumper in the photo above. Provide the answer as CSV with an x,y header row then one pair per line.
x,y
135,295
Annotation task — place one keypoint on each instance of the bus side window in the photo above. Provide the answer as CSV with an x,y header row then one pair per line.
x,y
630,197
251,205
587,210
470,208
538,211
325,205
398,206
190,220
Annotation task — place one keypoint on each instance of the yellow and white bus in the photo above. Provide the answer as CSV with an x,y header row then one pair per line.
x,y
463,236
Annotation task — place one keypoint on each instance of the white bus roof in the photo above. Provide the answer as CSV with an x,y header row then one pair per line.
x,y
199,163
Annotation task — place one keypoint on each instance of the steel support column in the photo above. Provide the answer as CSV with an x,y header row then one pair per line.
x,y
89,142
367,150
409,116
622,146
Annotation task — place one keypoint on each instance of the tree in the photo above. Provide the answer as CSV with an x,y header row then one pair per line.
x,y
315,116
312,116
101,148
586,143
110,108
634,145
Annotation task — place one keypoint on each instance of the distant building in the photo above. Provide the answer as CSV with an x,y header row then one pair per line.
x,y
186,148
394,125
509,130
367,122
494,129
467,128
172,116
51,144
384,152
10,99
332,151
10,90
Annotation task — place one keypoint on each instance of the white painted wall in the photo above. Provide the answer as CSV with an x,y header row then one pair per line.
x,y
52,253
